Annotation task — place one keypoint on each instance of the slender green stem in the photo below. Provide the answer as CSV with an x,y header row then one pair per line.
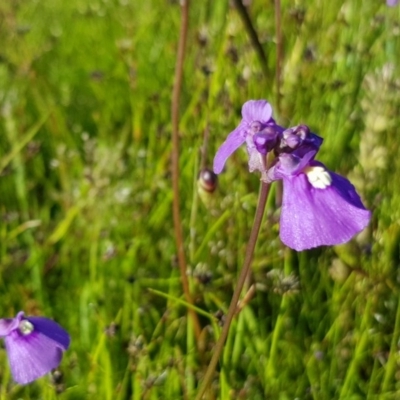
x,y
176,91
244,15
271,369
262,199
359,351
279,53
278,80
391,365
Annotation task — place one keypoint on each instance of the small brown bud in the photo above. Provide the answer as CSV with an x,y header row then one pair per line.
x,y
207,180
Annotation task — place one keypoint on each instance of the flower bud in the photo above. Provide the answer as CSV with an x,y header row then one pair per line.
x,y
207,180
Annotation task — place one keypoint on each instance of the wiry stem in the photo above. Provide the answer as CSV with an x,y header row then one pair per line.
x,y
262,199
279,53
253,35
278,79
176,91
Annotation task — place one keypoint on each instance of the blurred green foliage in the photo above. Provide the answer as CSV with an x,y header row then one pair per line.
x,y
85,206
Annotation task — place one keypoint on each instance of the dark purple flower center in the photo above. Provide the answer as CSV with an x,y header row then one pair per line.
x,y
300,140
294,137
266,139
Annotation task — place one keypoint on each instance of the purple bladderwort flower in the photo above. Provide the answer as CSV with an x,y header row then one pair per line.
x,y
319,207
257,123
34,346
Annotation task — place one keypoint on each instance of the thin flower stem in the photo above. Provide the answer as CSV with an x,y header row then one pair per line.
x,y
278,80
279,53
176,91
244,15
262,199
204,147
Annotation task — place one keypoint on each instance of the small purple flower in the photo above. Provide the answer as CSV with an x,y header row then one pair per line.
x,y
391,3
256,122
319,207
34,346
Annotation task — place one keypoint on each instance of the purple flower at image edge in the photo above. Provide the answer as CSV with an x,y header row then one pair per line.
x,y
34,346
392,3
319,207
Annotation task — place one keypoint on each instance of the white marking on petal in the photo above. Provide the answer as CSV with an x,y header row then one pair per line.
x,y
318,177
25,327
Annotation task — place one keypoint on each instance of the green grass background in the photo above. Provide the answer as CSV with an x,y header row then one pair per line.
x,y
85,197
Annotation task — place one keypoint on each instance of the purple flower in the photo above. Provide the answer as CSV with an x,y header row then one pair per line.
x,y
319,207
34,346
256,122
391,3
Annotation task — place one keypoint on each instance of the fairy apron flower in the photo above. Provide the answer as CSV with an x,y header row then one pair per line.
x,y
319,207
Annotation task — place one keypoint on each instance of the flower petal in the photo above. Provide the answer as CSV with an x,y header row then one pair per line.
x,y
7,325
289,165
312,217
31,357
257,110
52,330
234,140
